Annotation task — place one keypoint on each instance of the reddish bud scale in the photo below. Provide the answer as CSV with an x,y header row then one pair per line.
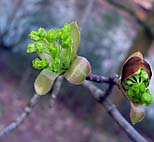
x,y
133,64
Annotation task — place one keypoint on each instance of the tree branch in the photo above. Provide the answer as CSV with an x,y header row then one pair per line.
x,y
143,24
114,113
101,79
100,97
20,119
55,90
33,101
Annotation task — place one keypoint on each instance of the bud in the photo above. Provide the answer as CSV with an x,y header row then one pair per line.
x,y
136,75
42,33
31,48
133,64
39,47
40,64
34,36
51,35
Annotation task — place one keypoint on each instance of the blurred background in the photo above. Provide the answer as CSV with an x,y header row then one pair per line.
x,y
108,36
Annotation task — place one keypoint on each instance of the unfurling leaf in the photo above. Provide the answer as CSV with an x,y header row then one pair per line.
x,y
75,33
44,81
78,70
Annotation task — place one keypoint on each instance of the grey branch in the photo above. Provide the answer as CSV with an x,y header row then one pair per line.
x,y
56,90
102,79
20,119
142,23
114,113
98,95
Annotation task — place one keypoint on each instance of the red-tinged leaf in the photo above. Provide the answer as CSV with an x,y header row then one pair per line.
x,y
130,67
133,64
137,112
136,54
147,68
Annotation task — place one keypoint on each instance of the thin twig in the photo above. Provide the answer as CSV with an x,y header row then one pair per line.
x,y
114,113
56,90
20,119
101,79
107,92
98,95
33,101
142,23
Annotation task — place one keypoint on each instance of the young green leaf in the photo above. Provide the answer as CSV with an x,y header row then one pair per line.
x,y
75,33
78,70
44,81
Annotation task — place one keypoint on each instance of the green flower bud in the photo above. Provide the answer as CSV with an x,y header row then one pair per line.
x,y
59,33
147,98
67,41
130,93
65,35
39,47
40,64
51,35
135,88
144,75
55,67
67,27
142,88
41,32
31,48
34,36
52,50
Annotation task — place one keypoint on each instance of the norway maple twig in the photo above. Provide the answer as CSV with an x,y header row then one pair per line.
x,y
100,97
28,109
20,119
113,112
100,79
56,89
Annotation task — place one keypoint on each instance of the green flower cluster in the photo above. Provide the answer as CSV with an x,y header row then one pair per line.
x,y
136,87
56,45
